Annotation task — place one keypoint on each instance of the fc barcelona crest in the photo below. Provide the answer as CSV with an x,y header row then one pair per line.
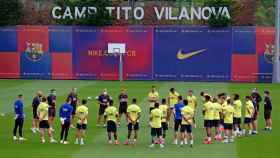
x,y
34,51
269,53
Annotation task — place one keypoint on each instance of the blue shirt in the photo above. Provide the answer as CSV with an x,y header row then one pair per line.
x,y
178,107
18,108
66,112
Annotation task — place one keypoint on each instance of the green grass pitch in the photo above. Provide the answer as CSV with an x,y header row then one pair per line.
x,y
260,146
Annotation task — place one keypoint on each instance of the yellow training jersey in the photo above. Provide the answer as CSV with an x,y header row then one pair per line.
x,y
164,109
187,113
192,102
217,110
133,112
81,114
249,109
209,111
228,114
156,117
43,111
111,113
153,96
173,98
237,108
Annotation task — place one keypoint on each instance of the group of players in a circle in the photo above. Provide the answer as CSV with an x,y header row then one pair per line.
x,y
221,112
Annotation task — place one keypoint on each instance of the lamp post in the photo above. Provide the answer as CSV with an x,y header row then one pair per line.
x,y
276,63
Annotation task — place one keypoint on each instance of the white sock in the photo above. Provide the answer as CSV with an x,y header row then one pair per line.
x,y
209,139
191,141
250,131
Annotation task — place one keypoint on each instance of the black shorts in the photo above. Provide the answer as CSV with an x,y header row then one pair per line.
x,y
228,126
208,123
52,112
44,124
177,124
151,108
216,123
66,124
186,128
111,126
156,132
74,109
102,109
247,120
123,108
267,114
222,122
81,126
35,116
131,126
164,126
236,121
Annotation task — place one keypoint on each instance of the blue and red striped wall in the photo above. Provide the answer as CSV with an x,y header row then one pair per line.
x,y
239,54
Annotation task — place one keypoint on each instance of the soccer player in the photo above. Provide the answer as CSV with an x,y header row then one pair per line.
x,y
65,114
178,118
155,122
74,100
192,102
237,104
187,122
43,112
123,98
82,116
153,97
35,103
111,116
19,118
267,111
52,107
164,108
217,118
249,114
208,113
172,100
256,98
228,122
133,116
103,99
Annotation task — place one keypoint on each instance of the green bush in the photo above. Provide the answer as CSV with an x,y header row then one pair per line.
x,y
10,12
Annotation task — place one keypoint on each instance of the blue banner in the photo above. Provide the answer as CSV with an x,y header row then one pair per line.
x,y
192,54
244,40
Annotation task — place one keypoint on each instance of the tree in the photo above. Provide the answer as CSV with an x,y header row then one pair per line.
x,y
10,12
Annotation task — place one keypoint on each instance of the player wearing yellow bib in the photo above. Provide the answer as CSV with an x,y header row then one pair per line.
x,y
153,97
249,114
237,104
217,118
228,122
111,116
133,116
172,101
187,122
164,108
155,122
43,115
192,102
208,113
82,116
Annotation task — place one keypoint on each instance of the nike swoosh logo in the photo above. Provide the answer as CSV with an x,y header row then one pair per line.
x,y
182,56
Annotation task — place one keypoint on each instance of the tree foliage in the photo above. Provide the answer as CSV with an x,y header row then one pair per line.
x,y
10,12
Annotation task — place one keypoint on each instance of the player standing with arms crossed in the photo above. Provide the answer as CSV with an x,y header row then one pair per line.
x,y
111,116
249,114
52,107
164,122
73,96
178,118
19,118
103,99
192,102
217,118
82,116
153,97
187,123
237,104
155,123
133,116
256,98
35,103
228,122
